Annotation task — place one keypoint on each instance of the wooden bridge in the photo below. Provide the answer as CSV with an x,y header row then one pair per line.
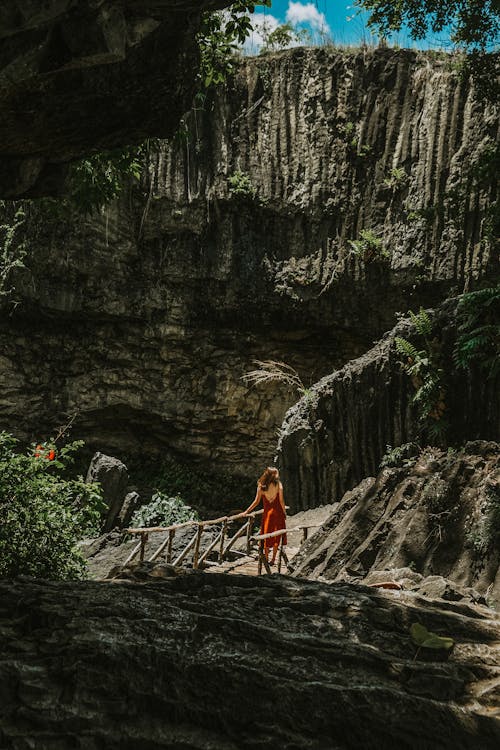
x,y
219,547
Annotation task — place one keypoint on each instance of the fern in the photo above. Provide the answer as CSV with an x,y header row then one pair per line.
x,y
478,340
422,365
406,348
422,322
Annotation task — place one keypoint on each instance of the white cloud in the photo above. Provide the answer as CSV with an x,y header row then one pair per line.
x,y
298,13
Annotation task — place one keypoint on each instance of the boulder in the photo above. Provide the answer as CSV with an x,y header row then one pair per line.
x,y
237,663
436,513
112,475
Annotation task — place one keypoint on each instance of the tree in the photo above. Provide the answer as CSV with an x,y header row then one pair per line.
x,y
475,26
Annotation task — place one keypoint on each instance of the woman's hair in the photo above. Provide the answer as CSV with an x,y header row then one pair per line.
x,y
270,476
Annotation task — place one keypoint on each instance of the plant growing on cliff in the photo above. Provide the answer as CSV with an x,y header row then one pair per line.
x,y
43,514
96,181
427,376
270,371
475,29
218,40
163,511
369,247
12,249
478,340
240,185
397,178
283,36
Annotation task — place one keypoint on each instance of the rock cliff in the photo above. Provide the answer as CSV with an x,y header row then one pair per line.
x,y
80,77
437,512
295,212
235,663
337,434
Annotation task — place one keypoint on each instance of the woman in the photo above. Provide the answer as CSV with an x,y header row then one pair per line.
x,y
270,491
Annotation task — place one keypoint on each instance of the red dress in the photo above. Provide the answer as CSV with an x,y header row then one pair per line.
x,y
273,519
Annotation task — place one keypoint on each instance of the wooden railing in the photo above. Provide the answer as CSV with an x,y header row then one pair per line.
x,y
222,543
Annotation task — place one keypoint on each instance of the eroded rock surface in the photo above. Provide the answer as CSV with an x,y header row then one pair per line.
x,y
337,434
85,76
142,320
231,663
437,512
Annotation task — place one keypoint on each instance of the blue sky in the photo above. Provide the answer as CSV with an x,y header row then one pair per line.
x,y
336,20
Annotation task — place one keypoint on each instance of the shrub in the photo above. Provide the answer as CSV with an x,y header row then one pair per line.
x,y
369,246
163,511
42,514
240,185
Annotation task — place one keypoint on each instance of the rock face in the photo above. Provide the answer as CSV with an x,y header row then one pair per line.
x,y
438,512
338,433
112,475
79,77
237,246
233,663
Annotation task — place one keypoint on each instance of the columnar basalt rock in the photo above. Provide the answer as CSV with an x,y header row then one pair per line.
x,y
233,662
237,246
337,434
436,511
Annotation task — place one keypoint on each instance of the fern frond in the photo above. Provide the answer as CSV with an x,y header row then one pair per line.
x,y
422,322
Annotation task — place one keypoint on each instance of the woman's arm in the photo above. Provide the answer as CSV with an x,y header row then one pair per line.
x,y
282,499
256,501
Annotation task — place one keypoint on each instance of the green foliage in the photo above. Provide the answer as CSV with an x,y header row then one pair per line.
x,y
401,456
423,638
483,533
282,37
197,487
163,511
427,214
218,40
240,185
397,178
96,181
475,27
478,340
369,247
12,249
475,24
43,514
427,377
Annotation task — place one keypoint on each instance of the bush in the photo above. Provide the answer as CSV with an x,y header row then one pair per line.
x,y
42,514
163,511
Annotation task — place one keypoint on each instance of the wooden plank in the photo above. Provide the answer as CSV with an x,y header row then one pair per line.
x,y
171,535
251,522
222,537
236,536
144,539
133,553
280,532
211,546
160,549
154,529
186,549
209,522
196,552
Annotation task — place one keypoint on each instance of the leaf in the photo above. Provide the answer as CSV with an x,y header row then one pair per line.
x,y
424,639
438,642
419,633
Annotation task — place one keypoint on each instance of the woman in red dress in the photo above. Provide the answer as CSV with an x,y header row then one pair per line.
x,y
270,491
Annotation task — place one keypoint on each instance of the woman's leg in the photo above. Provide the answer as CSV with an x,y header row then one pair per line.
x,y
275,550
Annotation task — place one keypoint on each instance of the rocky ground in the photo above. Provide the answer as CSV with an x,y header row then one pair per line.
x,y
231,663
433,512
